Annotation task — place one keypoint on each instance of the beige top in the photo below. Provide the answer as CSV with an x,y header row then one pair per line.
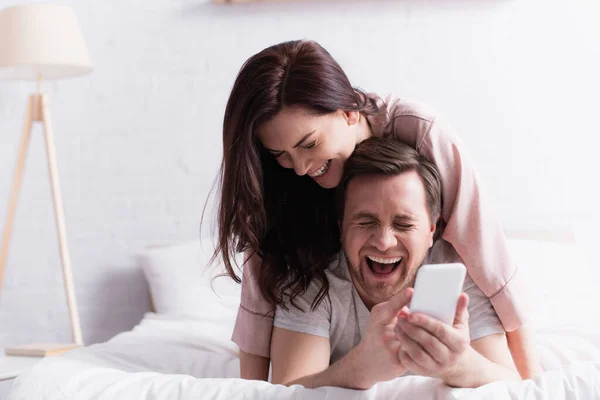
x,y
471,226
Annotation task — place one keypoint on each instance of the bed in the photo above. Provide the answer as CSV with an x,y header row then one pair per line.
x,y
183,351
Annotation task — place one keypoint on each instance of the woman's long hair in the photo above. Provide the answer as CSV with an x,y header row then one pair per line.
x,y
287,220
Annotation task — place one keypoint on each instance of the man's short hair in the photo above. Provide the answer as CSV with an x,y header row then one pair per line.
x,y
388,157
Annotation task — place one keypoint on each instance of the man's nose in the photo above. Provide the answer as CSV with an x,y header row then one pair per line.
x,y
385,239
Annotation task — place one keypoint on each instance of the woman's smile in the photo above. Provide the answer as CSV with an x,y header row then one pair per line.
x,y
321,171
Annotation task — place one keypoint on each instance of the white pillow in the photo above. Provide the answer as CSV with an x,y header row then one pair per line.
x,y
562,283
183,284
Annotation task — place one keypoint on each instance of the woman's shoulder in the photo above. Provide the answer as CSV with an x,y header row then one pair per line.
x,y
405,119
391,105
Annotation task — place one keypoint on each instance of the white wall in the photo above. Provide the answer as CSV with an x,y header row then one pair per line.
x,y
138,140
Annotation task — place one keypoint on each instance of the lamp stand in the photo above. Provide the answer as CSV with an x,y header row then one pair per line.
x,y
39,111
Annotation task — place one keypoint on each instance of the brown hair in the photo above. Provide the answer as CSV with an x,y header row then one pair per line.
x,y
387,156
288,220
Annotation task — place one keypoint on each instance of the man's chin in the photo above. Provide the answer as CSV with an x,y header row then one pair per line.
x,y
382,295
386,292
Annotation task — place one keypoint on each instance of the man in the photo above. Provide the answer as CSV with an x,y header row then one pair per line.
x,y
362,332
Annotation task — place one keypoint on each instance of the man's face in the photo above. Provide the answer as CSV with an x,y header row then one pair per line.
x,y
386,233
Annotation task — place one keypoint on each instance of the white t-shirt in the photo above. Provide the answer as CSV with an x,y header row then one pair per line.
x,y
343,317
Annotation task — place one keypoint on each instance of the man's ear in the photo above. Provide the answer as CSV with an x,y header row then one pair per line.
x,y
352,117
432,233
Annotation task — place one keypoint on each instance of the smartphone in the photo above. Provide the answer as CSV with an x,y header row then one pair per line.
x,y
437,288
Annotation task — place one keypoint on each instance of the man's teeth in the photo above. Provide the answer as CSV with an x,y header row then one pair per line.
x,y
320,171
382,260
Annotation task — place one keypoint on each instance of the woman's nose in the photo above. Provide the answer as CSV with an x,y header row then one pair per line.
x,y
300,166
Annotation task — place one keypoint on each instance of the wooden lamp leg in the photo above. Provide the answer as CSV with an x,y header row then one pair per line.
x,y
39,111
16,186
60,222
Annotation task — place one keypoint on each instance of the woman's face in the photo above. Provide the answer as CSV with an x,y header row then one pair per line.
x,y
313,145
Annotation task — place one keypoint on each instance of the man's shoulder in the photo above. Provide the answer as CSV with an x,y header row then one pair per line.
x,y
338,268
338,279
442,252
483,320
313,311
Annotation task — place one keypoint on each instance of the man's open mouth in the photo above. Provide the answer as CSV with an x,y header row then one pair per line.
x,y
383,265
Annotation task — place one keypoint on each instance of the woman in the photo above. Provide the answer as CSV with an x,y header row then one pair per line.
x,y
291,122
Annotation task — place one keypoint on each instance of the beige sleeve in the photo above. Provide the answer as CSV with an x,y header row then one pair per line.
x,y
471,225
254,322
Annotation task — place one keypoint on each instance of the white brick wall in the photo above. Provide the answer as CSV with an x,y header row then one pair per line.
x,y
138,147
138,140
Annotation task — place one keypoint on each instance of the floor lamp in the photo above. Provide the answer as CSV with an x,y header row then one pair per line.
x,y
39,42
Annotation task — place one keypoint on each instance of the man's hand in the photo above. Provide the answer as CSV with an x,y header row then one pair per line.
x,y
432,348
373,360
378,349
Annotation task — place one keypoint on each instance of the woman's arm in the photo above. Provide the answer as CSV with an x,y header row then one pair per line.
x,y
523,350
471,224
254,367
473,230
253,326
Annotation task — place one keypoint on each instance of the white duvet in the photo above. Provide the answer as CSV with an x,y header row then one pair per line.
x,y
173,358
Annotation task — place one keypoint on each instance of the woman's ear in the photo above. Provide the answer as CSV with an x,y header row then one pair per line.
x,y
352,117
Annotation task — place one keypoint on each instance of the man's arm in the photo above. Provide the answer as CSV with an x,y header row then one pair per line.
x,y
494,348
297,355
487,360
300,358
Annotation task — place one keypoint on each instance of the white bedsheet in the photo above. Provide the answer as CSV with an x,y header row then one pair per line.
x,y
170,358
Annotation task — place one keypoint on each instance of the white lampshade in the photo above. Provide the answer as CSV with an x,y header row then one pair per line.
x,y
41,39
